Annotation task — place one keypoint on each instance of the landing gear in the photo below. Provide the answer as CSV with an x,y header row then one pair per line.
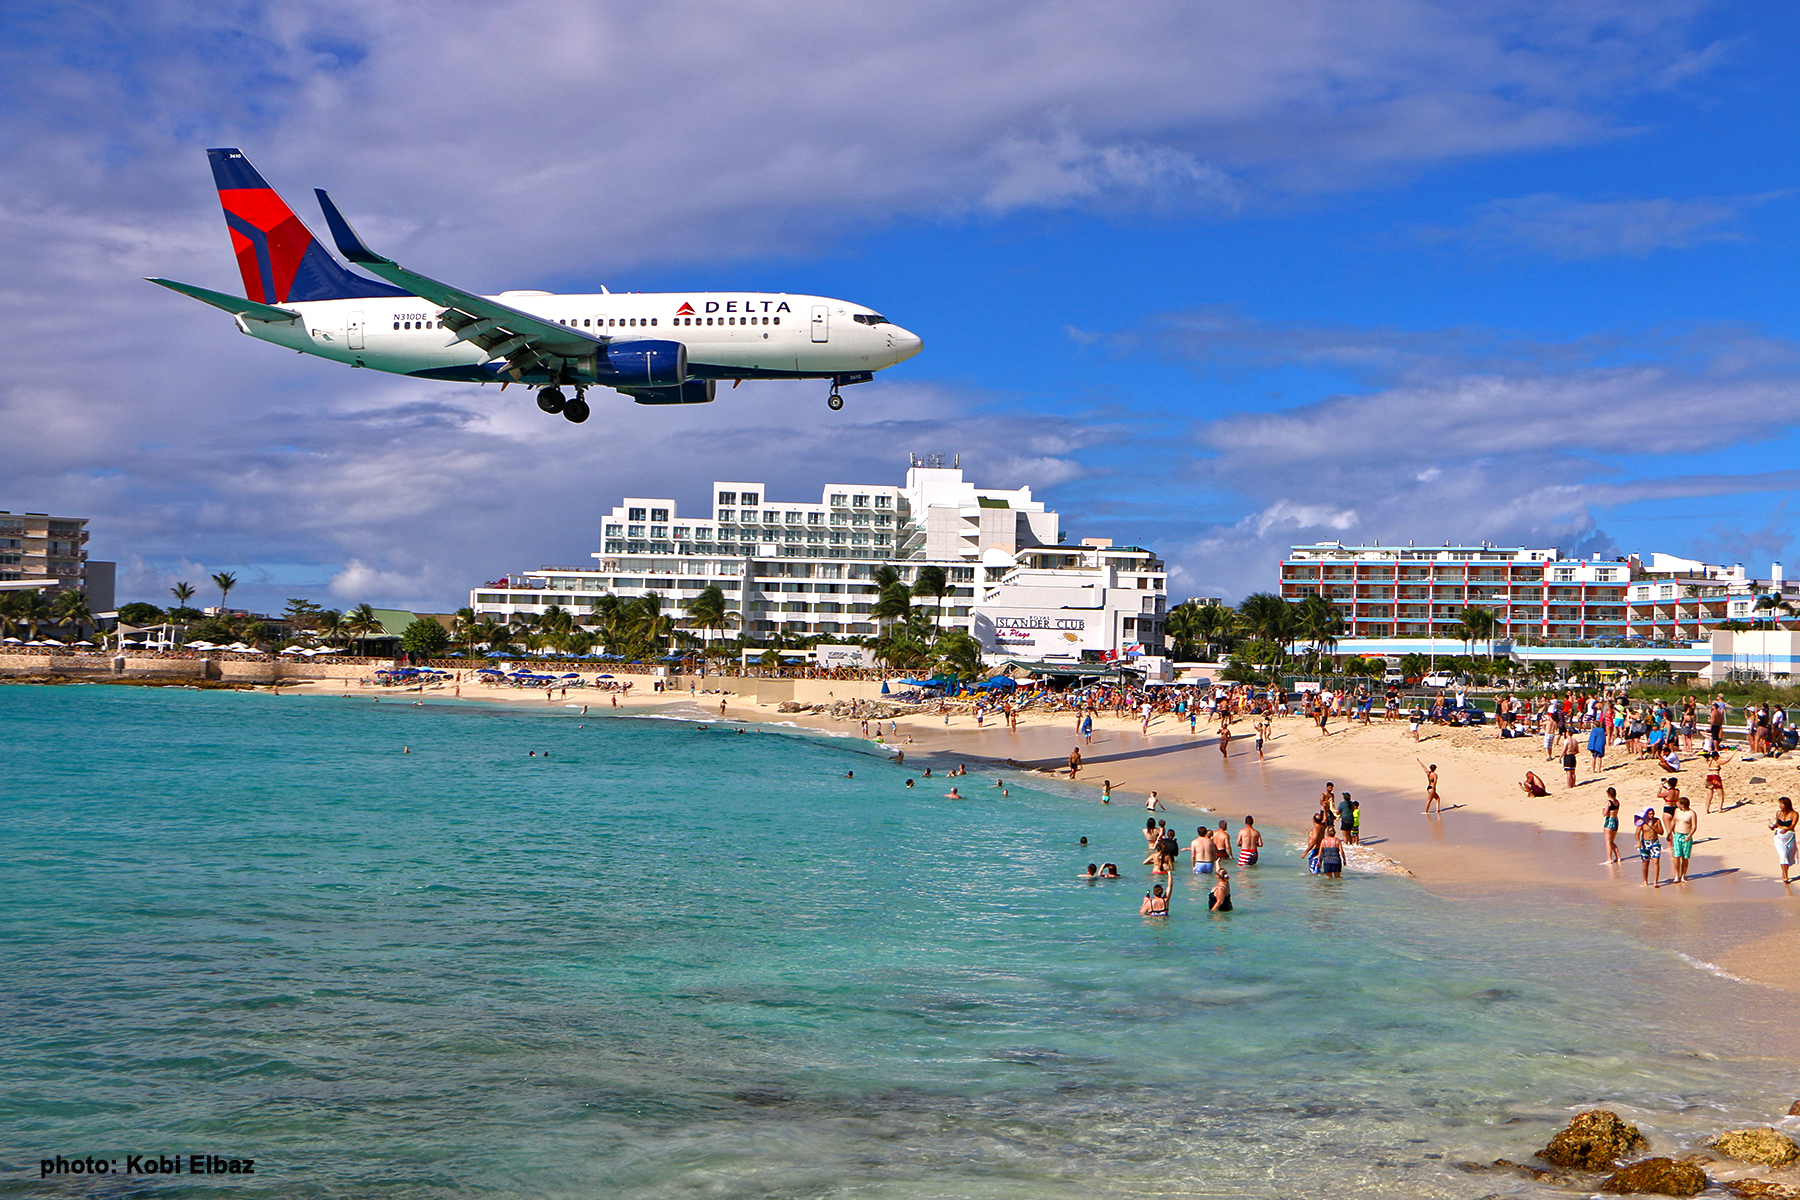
x,y
551,400
834,401
576,410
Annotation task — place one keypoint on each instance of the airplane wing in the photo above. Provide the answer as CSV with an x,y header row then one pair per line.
x,y
501,330
237,306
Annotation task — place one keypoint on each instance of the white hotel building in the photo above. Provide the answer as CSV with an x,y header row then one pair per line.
x,y
806,568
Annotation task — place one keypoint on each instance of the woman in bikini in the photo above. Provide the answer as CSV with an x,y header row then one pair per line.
x,y
1331,855
1783,825
1155,904
1609,821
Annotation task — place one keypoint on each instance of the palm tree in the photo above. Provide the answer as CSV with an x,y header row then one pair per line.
x,y
225,581
959,653
1773,604
361,622
329,625
1320,623
465,631
708,610
72,609
1415,665
1479,623
1269,618
931,581
183,592
894,603
33,609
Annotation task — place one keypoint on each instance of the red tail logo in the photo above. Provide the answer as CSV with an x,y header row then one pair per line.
x,y
686,310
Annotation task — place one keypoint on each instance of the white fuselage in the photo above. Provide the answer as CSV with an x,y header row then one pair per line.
x,y
727,334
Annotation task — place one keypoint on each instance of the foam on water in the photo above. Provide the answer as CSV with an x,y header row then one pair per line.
x,y
673,961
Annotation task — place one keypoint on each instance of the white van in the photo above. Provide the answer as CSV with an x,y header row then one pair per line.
x,y
1436,679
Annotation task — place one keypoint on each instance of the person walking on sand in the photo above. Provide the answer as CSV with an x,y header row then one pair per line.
x,y
1649,836
1609,821
1715,785
1074,762
1783,825
1571,756
1249,843
1087,729
1432,800
1225,737
1596,744
1685,824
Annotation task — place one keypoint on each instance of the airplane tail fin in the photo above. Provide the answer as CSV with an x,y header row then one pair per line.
x,y
280,259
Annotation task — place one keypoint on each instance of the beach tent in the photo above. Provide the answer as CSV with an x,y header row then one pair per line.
x,y
1004,683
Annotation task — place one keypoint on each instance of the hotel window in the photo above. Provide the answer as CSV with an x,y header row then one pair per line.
x,y
728,498
815,518
839,499
838,518
615,531
837,538
749,499
883,519
794,518
859,518
748,516
725,514
636,531
884,501
681,531
859,501
659,531
704,534
634,514
659,514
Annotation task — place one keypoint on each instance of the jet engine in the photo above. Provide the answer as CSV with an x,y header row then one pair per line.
x,y
694,391
641,363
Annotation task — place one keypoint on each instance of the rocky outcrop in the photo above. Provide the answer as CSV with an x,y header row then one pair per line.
x,y
1761,1189
1763,1144
1794,1109
1658,1177
1594,1141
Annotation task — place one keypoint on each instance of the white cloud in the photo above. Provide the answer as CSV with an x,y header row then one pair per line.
x,y
1567,228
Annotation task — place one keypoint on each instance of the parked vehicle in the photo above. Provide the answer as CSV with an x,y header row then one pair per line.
x,y
1437,679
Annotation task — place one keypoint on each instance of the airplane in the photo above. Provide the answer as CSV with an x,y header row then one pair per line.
x,y
657,348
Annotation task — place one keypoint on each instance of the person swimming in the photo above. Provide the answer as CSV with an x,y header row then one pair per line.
x,y
1109,871
1092,872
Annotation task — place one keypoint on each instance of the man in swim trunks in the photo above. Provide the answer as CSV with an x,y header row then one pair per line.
x,y
1202,853
1571,755
1222,843
1681,842
1649,835
1249,843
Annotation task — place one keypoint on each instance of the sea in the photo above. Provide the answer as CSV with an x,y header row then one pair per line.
x,y
461,949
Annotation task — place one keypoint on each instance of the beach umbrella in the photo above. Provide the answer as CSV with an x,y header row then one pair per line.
x,y
294,650
571,675
84,642
884,687
51,642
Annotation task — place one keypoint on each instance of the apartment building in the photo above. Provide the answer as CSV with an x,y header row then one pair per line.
x,y
1534,594
37,547
804,568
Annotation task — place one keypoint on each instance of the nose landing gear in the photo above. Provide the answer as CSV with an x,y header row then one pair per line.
x,y
834,401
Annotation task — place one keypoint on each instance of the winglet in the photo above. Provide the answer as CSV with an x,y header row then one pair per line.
x,y
348,244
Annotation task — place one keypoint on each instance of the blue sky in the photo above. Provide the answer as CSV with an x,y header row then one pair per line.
x,y
1210,277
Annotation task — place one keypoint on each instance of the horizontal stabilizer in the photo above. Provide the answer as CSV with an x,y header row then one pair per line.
x,y
237,306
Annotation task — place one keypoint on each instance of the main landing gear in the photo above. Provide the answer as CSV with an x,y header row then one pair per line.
x,y
552,401
834,401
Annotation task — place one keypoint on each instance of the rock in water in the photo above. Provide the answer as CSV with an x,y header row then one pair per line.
x,y
1761,1189
1659,1176
1762,1144
1794,1109
1594,1141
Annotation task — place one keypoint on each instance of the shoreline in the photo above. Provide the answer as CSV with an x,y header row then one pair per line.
x,y
1734,919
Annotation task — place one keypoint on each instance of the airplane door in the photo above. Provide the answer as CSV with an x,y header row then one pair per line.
x,y
353,330
821,323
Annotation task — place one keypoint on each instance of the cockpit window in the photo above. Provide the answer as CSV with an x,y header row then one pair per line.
x,y
870,319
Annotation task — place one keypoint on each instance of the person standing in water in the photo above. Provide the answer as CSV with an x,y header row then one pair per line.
x,y
1609,821
1249,843
1202,853
1331,855
1155,903
1683,826
1219,899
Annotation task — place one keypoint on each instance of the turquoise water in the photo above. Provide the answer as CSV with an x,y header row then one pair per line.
x,y
674,961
